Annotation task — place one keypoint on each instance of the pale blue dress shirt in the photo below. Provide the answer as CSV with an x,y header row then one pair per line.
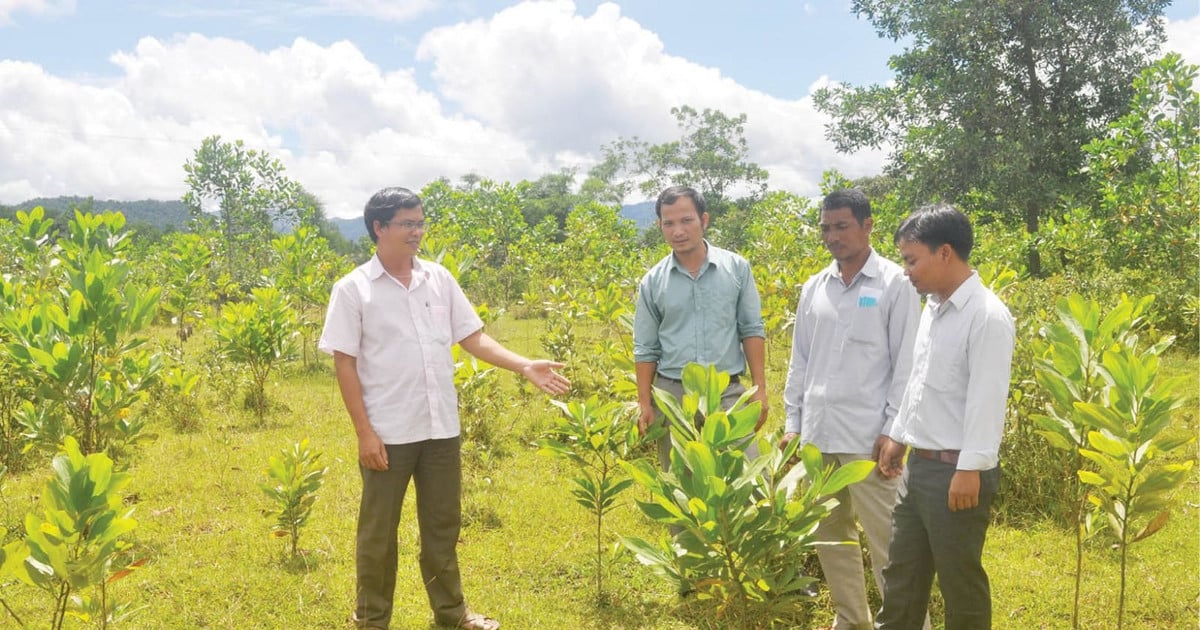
x,y
680,319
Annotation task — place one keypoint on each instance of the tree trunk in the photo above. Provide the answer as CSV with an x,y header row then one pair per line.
x,y
1033,257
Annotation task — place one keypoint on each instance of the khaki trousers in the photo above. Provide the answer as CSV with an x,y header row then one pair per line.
x,y
871,501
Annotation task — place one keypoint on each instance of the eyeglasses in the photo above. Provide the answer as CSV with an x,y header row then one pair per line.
x,y
407,225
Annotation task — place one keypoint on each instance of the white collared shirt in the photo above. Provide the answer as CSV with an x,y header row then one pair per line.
x,y
401,337
851,354
958,391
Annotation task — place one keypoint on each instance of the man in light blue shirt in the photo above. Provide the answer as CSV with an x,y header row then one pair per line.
x,y
851,353
697,305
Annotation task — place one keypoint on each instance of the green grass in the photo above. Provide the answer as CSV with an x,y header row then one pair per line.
x,y
526,550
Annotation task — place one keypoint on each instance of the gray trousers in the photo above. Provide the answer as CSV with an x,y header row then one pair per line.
x,y
929,539
436,467
731,394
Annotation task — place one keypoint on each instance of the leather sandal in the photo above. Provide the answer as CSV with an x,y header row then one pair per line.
x,y
476,621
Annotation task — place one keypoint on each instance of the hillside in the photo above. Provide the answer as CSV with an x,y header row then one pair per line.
x,y
173,214
159,214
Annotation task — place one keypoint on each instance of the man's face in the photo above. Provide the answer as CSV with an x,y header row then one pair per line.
x,y
843,236
925,267
403,232
683,227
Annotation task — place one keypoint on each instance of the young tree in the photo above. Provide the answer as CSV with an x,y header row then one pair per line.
x,y
482,214
991,101
250,191
1146,172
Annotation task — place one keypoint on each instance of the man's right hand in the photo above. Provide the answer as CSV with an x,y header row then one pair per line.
x,y
787,439
645,417
371,452
891,458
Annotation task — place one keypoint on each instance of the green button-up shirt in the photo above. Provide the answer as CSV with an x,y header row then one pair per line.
x,y
680,319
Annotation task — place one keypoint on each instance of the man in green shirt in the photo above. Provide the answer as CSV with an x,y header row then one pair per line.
x,y
697,305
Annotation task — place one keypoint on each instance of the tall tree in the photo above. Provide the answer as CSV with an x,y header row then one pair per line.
x,y
711,156
251,192
551,195
992,100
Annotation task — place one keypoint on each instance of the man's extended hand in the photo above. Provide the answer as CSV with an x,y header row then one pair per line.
x,y
964,490
890,457
541,373
371,451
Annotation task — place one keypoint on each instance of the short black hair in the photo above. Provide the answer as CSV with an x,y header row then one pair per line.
x,y
384,204
672,194
852,198
936,225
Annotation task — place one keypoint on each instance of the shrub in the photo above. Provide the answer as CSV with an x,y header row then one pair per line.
x,y
293,481
743,524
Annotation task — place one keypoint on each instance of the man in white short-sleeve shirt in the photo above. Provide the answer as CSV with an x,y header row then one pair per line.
x,y
390,326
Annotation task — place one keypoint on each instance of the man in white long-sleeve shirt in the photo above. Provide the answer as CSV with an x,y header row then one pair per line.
x,y
951,419
851,353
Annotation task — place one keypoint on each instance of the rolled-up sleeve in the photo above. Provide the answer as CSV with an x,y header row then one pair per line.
x,y
749,309
646,320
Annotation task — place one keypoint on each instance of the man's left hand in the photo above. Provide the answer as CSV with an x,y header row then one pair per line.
x,y
542,373
760,395
964,490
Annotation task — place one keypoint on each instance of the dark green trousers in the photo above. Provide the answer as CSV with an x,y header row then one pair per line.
x,y
436,468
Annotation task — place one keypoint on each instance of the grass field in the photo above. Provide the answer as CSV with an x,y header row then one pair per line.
x,y
526,548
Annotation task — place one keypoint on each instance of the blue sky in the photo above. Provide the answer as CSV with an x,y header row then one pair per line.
x,y
109,98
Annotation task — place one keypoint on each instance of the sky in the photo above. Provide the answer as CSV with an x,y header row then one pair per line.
x,y
110,99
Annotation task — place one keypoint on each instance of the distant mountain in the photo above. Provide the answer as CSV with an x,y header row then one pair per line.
x,y
173,214
353,229
641,213
159,214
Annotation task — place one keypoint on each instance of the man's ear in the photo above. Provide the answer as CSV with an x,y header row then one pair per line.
x,y
704,220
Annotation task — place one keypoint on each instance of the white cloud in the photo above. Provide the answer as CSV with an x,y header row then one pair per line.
x,y
532,89
560,80
391,10
9,8
1183,37
342,127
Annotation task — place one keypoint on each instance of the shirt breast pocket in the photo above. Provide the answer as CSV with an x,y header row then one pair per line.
x,y
866,327
947,371
440,325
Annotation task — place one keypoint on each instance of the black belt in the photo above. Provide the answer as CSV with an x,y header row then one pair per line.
x,y
733,378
